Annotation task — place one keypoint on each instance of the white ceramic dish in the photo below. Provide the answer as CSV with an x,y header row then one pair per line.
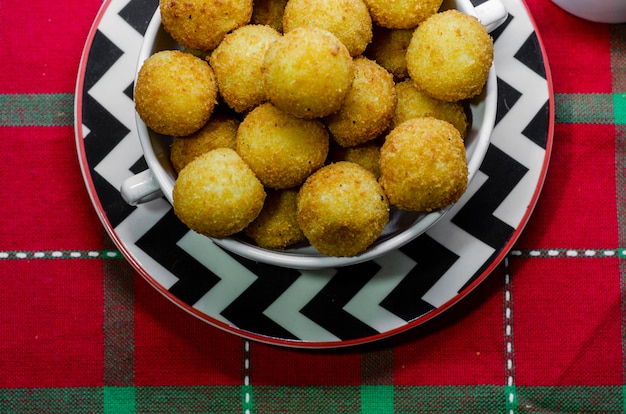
x,y
403,226
327,308
601,11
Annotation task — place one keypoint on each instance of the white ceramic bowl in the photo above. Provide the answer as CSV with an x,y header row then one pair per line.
x,y
601,11
403,227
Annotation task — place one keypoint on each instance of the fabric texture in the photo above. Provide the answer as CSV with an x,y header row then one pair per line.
x,y
81,331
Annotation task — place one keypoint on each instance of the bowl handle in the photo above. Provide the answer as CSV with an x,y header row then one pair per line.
x,y
491,14
140,188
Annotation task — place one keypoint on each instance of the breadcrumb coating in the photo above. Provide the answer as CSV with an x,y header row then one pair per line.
x,y
401,14
217,194
388,49
413,103
423,165
237,63
277,226
281,149
450,55
342,209
367,155
219,132
349,20
175,92
368,107
202,24
308,72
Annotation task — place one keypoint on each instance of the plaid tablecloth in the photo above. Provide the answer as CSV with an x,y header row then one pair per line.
x,y
81,331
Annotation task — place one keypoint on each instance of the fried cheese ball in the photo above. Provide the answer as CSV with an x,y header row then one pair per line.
x,y
450,55
269,12
308,72
342,209
349,20
175,92
219,132
423,165
281,149
413,103
367,155
401,14
388,49
202,24
217,194
368,107
277,226
237,63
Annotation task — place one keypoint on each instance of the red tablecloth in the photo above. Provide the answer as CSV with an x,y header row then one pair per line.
x,y
81,331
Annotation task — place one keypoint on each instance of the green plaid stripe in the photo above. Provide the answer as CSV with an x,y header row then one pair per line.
x,y
377,391
618,65
451,399
119,326
571,399
377,367
619,103
58,109
311,399
618,57
196,399
55,109
117,400
591,108
620,196
478,399
52,400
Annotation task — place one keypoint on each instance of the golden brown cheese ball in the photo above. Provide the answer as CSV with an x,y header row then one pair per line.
x,y
175,92
423,165
349,20
281,149
219,132
401,14
217,194
450,55
269,12
308,72
202,24
368,107
342,209
277,226
367,155
413,103
388,49
237,63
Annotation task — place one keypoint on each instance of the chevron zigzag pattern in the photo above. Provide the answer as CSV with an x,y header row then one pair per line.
x,y
330,306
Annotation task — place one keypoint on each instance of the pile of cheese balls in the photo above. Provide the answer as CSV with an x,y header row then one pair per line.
x,y
299,121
